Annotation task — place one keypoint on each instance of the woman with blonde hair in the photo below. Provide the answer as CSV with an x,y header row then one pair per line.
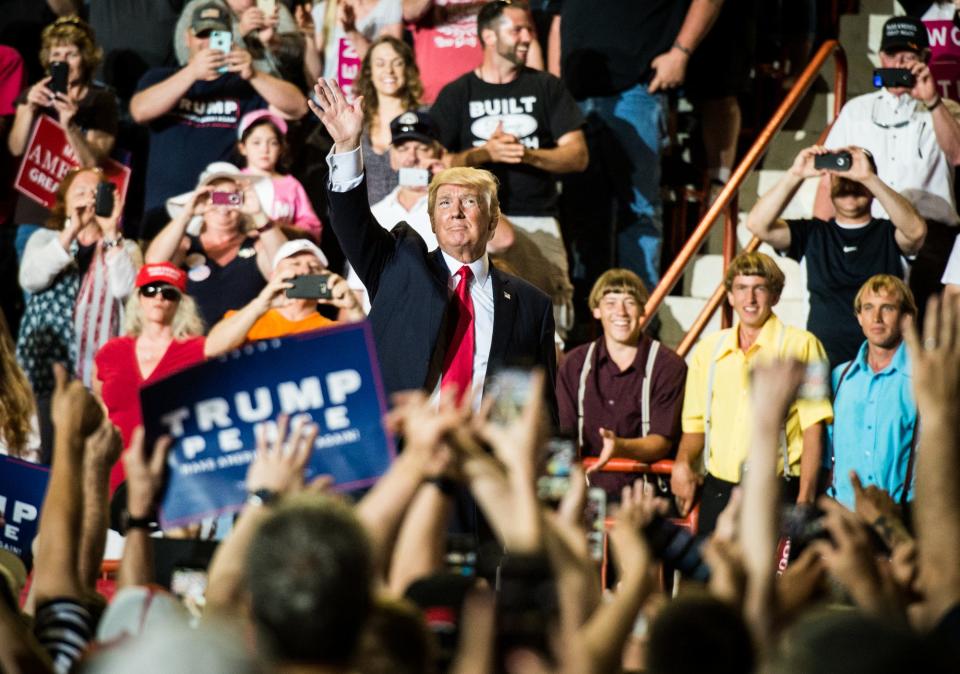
x,y
18,432
163,334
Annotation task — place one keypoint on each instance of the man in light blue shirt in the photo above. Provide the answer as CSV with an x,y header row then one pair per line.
x,y
875,415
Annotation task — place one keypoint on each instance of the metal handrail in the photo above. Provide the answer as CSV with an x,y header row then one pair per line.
x,y
750,160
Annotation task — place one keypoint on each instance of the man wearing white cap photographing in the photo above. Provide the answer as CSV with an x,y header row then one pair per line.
x,y
288,304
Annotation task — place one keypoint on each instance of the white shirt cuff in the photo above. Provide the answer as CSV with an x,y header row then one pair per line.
x,y
346,169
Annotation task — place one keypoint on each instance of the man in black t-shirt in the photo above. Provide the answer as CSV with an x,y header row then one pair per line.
x,y
841,253
193,112
521,124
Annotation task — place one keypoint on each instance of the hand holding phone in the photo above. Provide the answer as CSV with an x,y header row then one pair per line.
x,y
311,287
104,202
222,41
222,198
893,77
59,77
833,161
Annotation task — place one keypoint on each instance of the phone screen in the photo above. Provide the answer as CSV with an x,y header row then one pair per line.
x,y
594,521
510,390
221,40
554,479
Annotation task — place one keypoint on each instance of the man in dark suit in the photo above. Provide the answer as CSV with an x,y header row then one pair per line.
x,y
441,317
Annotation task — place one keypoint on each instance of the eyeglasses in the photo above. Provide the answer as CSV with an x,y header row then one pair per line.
x,y
169,293
893,121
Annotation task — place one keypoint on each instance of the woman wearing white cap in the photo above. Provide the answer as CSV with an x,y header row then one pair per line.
x,y
273,314
229,259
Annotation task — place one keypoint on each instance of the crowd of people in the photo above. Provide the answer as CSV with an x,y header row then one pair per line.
x,y
486,179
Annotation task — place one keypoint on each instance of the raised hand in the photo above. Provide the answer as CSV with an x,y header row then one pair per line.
x,y
241,62
860,168
279,465
40,95
803,163
74,409
610,449
144,474
342,120
66,109
935,359
206,63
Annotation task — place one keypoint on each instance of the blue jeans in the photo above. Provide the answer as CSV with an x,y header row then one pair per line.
x,y
626,133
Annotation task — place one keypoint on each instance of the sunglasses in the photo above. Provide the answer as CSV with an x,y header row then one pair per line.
x,y
169,293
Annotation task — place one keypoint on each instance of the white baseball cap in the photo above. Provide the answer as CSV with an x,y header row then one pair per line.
x,y
291,248
218,170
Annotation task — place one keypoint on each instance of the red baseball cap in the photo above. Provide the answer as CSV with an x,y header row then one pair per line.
x,y
162,272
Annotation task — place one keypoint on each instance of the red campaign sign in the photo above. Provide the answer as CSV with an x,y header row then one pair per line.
x,y
49,157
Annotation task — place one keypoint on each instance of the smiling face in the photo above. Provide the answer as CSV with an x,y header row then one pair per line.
x,y
619,313
752,300
69,53
386,70
513,36
262,147
879,318
461,220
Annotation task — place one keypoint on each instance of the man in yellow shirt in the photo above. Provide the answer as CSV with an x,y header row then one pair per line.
x,y
272,314
716,408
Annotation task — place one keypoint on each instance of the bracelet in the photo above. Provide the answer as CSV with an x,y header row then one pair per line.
x,y
933,107
262,497
128,522
688,52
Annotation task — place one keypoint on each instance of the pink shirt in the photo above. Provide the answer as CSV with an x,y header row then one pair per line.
x,y
291,205
445,50
11,79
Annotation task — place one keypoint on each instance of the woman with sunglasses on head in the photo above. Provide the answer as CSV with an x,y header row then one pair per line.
x,y
163,334
78,270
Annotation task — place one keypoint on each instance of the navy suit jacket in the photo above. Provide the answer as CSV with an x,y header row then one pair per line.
x,y
408,287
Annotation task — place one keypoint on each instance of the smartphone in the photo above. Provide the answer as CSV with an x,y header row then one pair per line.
x,y
833,161
510,390
311,287
595,521
226,199
190,584
554,479
221,40
268,7
414,177
59,74
893,77
103,204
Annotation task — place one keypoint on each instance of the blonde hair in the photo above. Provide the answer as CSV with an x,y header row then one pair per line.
x,y
890,284
16,397
71,30
480,179
618,281
186,322
755,264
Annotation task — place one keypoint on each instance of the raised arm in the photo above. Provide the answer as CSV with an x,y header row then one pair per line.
x,y
764,218
945,125
935,361
159,99
911,228
168,244
102,451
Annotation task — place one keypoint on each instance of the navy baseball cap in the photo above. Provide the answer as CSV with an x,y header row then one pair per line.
x,y
904,33
414,125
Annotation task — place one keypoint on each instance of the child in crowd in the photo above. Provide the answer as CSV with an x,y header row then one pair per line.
x,y
262,143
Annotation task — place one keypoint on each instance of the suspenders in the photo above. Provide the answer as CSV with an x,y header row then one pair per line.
x,y
711,374
644,395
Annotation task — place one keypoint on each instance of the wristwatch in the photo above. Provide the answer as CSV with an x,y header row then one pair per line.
x,y
262,496
128,522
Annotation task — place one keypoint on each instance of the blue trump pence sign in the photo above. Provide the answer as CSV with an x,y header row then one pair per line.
x,y
23,486
212,412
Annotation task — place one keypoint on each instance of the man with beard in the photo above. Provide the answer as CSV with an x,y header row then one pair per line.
x,y
845,251
524,127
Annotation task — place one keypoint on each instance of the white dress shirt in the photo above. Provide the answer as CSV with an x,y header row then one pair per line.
x,y
346,173
898,132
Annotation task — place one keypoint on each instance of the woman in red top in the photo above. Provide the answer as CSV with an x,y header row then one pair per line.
x,y
163,334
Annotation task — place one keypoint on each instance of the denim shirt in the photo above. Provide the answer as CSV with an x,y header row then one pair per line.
x,y
875,417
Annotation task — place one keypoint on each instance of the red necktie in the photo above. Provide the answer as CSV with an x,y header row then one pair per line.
x,y
458,361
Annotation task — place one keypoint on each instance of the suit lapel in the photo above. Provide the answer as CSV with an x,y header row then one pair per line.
x,y
504,312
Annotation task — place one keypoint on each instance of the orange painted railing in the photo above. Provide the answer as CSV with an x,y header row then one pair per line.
x,y
727,196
